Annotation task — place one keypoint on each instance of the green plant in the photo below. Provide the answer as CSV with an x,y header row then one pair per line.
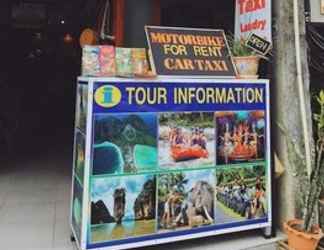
x,y
317,176
315,182
319,118
238,47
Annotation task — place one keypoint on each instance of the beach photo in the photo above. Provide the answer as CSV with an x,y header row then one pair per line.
x,y
240,194
186,200
77,204
122,207
186,140
125,143
240,136
81,107
79,155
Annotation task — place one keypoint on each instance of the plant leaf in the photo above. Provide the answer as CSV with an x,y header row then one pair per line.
x,y
321,96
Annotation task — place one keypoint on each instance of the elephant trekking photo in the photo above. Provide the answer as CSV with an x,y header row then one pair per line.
x,y
186,200
241,194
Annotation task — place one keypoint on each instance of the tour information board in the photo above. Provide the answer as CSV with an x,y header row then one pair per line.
x,y
157,161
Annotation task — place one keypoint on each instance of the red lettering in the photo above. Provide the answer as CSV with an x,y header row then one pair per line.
x,y
251,5
241,3
254,25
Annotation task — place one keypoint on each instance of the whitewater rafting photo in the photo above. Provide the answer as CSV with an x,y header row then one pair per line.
x,y
186,140
125,143
240,136
186,200
122,207
240,194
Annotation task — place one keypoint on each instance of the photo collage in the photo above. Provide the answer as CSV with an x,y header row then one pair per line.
x,y
79,157
163,172
80,132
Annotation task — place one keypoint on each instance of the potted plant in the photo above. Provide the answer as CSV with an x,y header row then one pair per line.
x,y
321,197
304,234
245,59
321,209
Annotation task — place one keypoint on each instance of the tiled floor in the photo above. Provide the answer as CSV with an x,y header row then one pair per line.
x,y
34,210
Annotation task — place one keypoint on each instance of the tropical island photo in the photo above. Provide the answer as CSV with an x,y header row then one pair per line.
x,y
125,143
81,107
122,207
79,155
77,204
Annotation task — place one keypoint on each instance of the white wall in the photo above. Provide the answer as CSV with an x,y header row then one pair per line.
x,y
316,16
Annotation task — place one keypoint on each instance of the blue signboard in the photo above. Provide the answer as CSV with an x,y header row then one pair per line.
x,y
114,97
173,159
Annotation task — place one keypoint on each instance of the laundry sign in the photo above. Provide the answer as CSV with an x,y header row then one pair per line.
x,y
253,16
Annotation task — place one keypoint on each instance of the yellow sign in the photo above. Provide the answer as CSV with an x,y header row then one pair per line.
x,y
107,96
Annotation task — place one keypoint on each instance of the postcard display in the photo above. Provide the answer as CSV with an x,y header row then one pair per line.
x,y
165,160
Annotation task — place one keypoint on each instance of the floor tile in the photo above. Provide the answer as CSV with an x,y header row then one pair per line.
x,y
41,180
248,240
29,213
267,247
29,195
62,210
24,236
63,194
72,247
35,210
6,181
62,234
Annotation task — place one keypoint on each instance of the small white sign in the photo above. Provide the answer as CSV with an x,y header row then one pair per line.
x,y
322,7
253,16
